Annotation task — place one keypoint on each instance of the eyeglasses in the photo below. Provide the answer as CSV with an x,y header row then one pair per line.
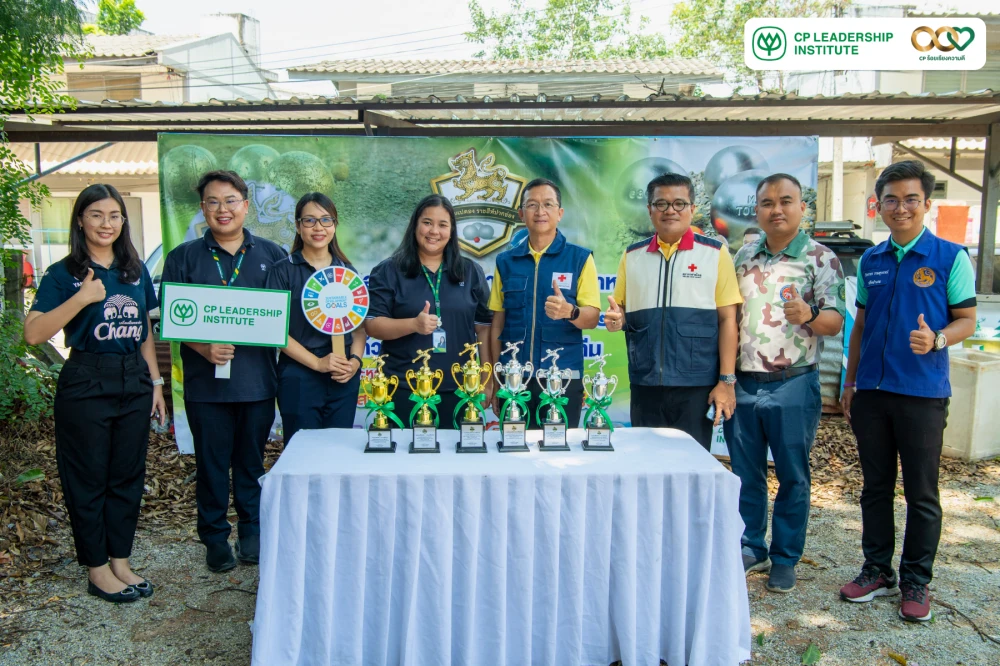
x,y
534,206
213,205
910,203
116,219
311,221
662,205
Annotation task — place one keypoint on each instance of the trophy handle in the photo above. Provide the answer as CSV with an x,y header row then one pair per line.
x,y
588,381
530,369
497,371
410,376
488,369
364,383
539,376
394,383
456,367
439,376
612,384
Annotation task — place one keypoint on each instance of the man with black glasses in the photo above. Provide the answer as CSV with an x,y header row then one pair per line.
x,y
675,298
230,416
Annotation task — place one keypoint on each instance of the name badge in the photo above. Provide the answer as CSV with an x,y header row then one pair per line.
x,y
440,341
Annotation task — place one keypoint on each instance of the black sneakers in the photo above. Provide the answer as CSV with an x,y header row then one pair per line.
x,y
219,557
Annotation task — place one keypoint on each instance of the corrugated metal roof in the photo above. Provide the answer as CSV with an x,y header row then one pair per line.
x,y
131,46
933,143
480,67
127,158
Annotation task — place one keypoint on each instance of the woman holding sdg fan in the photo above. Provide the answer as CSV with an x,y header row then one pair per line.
x,y
99,296
428,296
316,387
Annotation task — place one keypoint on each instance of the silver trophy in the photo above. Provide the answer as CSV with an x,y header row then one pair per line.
x,y
514,412
599,389
556,383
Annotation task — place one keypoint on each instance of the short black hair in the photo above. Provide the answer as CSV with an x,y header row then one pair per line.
x,y
905,171
751,230
540,182
222,176
777,178
669,180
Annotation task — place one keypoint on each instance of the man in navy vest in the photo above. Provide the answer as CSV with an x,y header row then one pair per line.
x,y
545,294
916,297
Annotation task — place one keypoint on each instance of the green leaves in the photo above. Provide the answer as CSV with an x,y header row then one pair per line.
x,y
118,17
811,655
27,386
35,474
760,639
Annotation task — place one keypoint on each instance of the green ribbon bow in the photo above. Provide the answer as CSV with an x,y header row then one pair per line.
x,y
476,400
599,406
555,401
521,399
386,408
432,402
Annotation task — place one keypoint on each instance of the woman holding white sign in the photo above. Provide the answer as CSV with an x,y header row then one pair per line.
x,y
99,296
317,388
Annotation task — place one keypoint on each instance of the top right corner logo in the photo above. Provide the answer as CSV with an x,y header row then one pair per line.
x,y
944,39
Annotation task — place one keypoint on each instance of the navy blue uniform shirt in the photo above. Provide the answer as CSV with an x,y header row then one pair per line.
x,y
253,374
291,274
463,306
115,326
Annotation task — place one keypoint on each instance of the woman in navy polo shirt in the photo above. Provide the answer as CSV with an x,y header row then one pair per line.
x,y
425,291
316,388
100,295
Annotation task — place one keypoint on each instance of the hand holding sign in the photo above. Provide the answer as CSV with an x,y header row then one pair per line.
x,y
556,305
614,318
922,339
219,354
425,323
797,311
91,290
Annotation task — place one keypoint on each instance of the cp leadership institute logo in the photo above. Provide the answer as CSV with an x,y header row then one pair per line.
x,y
183,312
953,38
485,196
769,43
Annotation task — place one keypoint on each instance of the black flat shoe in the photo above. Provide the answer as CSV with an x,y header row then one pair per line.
x,y
128,595
219,557
145,589
248,549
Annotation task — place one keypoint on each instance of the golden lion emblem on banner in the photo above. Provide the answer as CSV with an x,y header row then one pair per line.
x,y
476,177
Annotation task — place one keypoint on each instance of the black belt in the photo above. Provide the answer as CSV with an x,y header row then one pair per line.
x,y
778,375
106,360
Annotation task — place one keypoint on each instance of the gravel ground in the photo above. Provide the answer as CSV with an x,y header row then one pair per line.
x,y
197,617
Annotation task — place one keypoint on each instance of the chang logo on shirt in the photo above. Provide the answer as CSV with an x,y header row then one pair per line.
x,y
121,319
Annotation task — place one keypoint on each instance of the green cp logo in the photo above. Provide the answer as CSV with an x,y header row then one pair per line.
x,y
769,43
183,312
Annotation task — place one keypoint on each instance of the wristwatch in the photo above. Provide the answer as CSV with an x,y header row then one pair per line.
x,y
576,313
361,363
158,381
815,311
940,340
728,380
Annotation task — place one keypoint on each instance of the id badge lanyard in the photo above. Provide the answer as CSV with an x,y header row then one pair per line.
x,y
438,337
223,371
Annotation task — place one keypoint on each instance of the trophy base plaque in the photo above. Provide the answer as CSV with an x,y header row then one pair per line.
x,y
598,439
553,437
380,441
470,438
512,440
425,440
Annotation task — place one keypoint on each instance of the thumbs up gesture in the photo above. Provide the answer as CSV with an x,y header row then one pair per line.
x,y
797,311
922,339
425,322
91,290
556,305
614,318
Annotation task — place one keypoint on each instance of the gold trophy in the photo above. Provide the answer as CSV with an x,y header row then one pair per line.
x,y
378,392
556,382
599,389
424,416
514,393
470,394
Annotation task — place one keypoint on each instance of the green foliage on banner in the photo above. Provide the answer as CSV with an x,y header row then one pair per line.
x,y
713,30
118,17
577,29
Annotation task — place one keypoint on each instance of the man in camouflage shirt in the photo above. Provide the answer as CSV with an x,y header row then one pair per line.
x,y
793,293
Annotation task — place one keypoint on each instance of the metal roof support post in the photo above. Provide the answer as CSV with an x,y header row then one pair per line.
x,y
77,158
988,216
837,180
38,158
940,167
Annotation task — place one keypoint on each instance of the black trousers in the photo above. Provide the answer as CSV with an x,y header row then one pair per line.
x,y
229,435
102,407
886,425
309,400
574,406
680,407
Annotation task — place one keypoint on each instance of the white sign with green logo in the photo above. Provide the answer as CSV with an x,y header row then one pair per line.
x,y
224,315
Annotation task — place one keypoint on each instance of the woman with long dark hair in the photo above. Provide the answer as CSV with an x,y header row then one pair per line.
x,y
428,296
316,387
100,296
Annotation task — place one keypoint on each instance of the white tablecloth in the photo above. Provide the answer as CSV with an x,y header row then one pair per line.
x,y
502,558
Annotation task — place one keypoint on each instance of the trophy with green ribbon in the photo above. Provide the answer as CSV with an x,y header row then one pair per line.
x,y
471,396
552,396
599,389
424,416
378,401
514,413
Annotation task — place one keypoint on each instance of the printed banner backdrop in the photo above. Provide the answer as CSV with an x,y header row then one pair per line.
x,y
376,182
